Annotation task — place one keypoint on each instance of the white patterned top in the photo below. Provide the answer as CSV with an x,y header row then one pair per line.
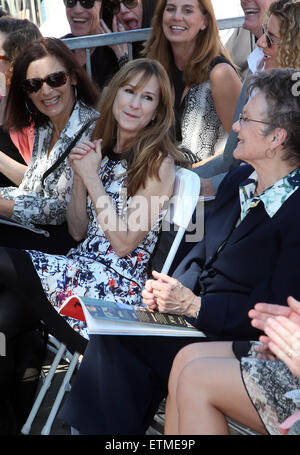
x,y
35,204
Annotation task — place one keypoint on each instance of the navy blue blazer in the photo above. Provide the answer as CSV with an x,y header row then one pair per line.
x,y
258,261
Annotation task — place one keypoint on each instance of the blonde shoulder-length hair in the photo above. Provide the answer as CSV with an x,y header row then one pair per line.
x,y
208,45
154,142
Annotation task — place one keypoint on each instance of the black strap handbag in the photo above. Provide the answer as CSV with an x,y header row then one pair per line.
x,y
66,152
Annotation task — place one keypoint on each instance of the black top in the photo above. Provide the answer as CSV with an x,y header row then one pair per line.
x,y
104,64
8,147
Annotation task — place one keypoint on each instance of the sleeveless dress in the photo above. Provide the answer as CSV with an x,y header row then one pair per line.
x,y
267,382
93,269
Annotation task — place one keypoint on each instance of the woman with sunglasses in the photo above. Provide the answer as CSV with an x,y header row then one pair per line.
x,y
132,162
280,40
185,39
51,90
128,15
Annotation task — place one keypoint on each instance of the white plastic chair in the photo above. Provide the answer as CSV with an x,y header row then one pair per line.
x,y
61,353
181,208
182,205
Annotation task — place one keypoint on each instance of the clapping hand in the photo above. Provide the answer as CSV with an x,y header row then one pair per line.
x,y
284,341
281,325
85,157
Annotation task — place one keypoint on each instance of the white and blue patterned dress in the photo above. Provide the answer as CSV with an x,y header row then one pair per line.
x,y
93,269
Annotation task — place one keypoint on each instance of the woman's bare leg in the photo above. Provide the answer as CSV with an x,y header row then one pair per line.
x,y
210,389
182,359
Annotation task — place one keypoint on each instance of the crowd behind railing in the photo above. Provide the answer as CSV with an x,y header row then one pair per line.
x,y
93,127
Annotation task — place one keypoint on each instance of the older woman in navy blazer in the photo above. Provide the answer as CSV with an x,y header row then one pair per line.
x,y
250,253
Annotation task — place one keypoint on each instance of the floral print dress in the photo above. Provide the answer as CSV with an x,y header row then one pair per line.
x,y
93,269
267,382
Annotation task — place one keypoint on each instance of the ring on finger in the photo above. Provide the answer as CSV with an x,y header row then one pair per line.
x,y
290,353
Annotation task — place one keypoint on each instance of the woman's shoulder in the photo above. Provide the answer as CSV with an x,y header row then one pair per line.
x,y
237,176
85,109
166,166
220,66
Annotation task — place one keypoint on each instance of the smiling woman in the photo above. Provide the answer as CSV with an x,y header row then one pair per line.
x,y
280,41
206,86
56,97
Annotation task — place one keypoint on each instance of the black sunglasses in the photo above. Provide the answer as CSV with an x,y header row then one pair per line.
x,y
115,5
53,80
87,4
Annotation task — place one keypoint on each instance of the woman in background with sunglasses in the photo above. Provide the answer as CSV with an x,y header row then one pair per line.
x,y
50,89
128,15
280,41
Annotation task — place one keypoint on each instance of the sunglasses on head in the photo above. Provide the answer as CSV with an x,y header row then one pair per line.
x,y
87,4
269,40
53,80
115,5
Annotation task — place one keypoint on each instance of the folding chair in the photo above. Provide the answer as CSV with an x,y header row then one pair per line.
x,y
61,353
180,211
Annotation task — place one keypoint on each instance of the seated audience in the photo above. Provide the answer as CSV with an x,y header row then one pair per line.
x,y
135,154
220,280
10,28
244,381
284,22
84,18
185,39
51,90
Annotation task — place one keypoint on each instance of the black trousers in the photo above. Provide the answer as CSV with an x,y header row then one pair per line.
x,y
23,305
58,242
120,383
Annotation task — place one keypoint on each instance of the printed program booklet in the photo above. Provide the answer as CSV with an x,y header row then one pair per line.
x,y
103,317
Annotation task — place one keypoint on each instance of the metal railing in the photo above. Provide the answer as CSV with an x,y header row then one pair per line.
x,y
131,36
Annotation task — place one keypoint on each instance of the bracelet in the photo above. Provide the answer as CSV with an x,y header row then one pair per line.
x,y
123,60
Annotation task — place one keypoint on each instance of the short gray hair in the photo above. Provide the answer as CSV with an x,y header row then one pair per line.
x,y
283,105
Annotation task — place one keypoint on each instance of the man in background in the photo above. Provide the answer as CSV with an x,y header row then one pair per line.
x,y
84,19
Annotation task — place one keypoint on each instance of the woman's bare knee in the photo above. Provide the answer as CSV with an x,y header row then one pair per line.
x,y
196,351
